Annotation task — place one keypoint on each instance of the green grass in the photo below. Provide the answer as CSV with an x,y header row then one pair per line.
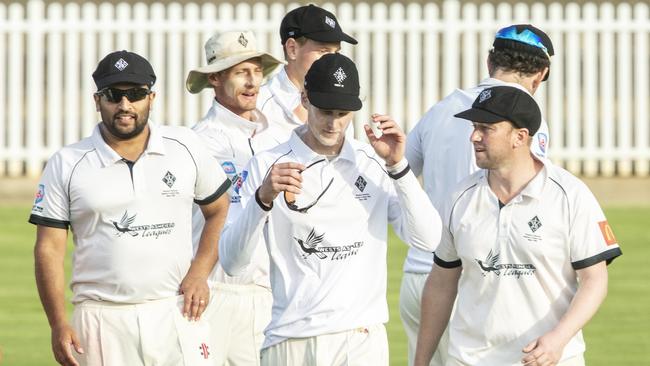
x,y
618,335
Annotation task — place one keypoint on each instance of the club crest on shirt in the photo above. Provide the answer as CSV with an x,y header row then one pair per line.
x,y
361,183
491,265
125,226
312,245
534,225
205,351
169,179
542,140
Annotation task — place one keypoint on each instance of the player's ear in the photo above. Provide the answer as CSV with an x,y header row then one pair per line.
x,y
213,80
291,49
152,98
521,137
96,97
304,100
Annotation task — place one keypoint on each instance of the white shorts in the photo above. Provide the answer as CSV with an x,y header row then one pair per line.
x,y
237,315
410,301
151,333
357,347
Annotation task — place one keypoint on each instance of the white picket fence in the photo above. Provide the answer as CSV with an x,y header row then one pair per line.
x,y
409,56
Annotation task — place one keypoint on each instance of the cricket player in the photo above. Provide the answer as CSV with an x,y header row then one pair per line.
x,y
321,203
234,130
523,251
307,33
126,193
439,150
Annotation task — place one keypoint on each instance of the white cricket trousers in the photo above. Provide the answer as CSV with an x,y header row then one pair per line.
x,y
573,361
237,315
147,334
410,300
356,347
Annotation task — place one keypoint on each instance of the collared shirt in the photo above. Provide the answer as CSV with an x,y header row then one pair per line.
x,y
439,149
130,221
328,265
233,140
519,262
278,98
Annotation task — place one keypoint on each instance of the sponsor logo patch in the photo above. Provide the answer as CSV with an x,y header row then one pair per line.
x,y
240,181
40,194
125,226
542,140
204,351
228,167
608,233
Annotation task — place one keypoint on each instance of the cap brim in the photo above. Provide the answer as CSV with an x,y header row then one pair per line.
x,y
480,115
330,36
334,101
197,79
125,78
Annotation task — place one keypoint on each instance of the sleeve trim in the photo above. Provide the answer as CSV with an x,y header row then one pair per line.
x,y
445,264
260,203
399,175
608,255
213,197
46,221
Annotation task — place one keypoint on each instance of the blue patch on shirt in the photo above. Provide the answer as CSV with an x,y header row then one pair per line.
x,y
228,167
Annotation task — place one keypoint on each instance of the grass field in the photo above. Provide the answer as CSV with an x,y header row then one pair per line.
x,y
618,335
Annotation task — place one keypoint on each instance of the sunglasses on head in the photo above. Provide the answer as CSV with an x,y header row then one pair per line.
x,y
525,36
115,95
290,198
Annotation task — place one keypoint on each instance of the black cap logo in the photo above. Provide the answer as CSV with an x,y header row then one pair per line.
x,y
339,75
121,64
329,21
485,95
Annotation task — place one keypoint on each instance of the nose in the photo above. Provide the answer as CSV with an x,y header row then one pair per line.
x,y
475,136
124,104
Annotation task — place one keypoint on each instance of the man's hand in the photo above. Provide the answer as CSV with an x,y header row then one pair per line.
x,y
544,351
391,144
63,341
196,295
281,177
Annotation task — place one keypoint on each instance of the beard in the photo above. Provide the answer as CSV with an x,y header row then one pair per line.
x,y
140,124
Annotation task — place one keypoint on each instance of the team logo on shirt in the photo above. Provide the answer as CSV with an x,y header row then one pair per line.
x,y
40,194
312,245
125,226
534,224
169,179
491,264
542,140
361,183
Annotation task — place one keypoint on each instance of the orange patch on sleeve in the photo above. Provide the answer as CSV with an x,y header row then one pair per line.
x,y
608,234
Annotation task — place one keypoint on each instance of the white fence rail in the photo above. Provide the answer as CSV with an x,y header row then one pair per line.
x,y
409,56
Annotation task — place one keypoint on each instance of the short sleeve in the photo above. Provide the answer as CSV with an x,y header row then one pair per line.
x,y
540,144
592,239
52,204
211,182
446,255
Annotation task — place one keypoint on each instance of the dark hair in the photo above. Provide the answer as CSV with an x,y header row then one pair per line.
x,y
519,61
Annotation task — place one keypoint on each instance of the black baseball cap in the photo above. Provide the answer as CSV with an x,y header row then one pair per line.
x,y
505,103
527,38
332,82
312,22
123,67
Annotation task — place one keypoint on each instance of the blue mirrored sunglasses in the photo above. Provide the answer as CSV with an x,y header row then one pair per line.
x,y
526,37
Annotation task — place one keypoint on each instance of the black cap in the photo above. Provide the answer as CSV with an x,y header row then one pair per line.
x,y
505,103
518,37
123,67
332,82
314,23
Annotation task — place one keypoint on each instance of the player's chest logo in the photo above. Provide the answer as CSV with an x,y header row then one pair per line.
x,y
492,264
312,245
169,179
534,225
361,183
126,225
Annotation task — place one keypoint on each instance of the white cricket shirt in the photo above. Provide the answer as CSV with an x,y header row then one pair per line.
x,y
328,265
131,226
233,140
277,100
519,262
439,149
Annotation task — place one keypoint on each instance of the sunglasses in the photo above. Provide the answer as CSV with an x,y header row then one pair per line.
x,y
290,198
115,95
525,36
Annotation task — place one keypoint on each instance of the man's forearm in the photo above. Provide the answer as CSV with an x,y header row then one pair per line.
x,y
50,281
207,253
438,296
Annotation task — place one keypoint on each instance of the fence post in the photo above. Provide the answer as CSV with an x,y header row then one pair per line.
x,y
34,82
624,91
572,117
641,97
607,85
590,76
54,80
4,152
15,107
450,42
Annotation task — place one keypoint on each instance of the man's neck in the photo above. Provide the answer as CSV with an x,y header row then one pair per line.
x,y
130,149
515,78
510,179
294,76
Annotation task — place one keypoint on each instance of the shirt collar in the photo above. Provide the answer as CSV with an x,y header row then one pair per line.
x,y
306,155
286,94
535,187
109,156
219,113
490,82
